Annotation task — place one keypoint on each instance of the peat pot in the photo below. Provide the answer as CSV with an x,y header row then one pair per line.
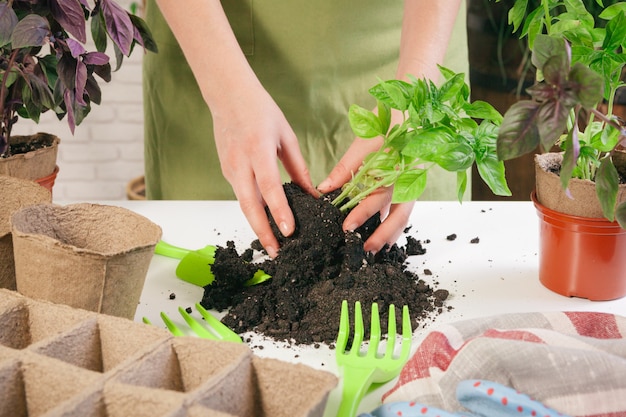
x,y
581,253
38,165
89,256
15,193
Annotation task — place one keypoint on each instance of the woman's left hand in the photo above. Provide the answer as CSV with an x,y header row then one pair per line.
x,y
394,217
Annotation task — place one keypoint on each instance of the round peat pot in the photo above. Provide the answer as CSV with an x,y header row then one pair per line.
x,y
88,256
581,256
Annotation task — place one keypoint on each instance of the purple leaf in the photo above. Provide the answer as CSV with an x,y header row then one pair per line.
x,y
119,25
81,80
93,90
76,48
555,70
518,133
8,20
69,101
33,30
95,58
69,13
552,122
588,85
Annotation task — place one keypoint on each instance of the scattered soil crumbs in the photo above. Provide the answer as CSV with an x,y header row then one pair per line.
x,y
318,267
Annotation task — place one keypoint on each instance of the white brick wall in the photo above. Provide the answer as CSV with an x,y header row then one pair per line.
x,y
106,151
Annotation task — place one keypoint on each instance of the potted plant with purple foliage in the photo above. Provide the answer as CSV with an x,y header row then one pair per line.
x,y
49,63
580,192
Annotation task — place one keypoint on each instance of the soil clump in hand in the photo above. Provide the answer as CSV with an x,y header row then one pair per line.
x,y
317,267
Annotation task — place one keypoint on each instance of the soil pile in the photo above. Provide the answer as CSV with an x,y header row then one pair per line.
x,y
317,267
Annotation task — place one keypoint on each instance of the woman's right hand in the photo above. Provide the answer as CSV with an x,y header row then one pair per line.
x,y
251,133
250,130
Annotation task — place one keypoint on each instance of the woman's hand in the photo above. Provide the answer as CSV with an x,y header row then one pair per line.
x,y
250,130
250,136
394,217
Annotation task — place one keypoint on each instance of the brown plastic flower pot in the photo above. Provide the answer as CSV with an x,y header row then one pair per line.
x,y
48,181
581,256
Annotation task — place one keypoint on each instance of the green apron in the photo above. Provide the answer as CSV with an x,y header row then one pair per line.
x,y
315,58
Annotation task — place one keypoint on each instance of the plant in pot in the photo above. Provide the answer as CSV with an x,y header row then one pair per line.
x,y
45,66
433,125
580,192
85,255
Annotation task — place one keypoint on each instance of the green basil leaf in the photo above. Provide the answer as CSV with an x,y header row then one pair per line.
x,y
365,124
409,186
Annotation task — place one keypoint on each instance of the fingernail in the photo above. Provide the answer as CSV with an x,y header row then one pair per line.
x,y
284,229
324,185
351,227
271,251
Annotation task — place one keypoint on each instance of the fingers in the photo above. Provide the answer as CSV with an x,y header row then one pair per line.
x,y
253,193
391,228
293,162
349,164
376,202
395,218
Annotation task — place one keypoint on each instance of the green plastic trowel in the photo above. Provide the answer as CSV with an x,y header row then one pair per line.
x,y
195,265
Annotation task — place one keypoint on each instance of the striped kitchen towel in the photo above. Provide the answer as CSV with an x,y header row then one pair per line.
x,y
573,362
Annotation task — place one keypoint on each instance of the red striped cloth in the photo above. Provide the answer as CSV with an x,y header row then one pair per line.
x,y
573,362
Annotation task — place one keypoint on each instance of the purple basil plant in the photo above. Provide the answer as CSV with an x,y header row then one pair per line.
x,y
44,61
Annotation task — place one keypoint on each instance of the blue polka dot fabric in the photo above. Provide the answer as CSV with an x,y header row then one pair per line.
x,y
481,399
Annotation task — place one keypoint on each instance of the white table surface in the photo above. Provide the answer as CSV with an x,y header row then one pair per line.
x,y
495,276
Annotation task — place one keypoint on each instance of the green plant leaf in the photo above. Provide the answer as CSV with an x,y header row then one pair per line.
x,y
41,94
519,133
409,186
454,157
397,99
517,13
427,144
384,116
382,90
613,10
365,124
607,183
482,110
146,40
33,30
620,215
492,171
452,87
615,33
461,184
570,157
98,31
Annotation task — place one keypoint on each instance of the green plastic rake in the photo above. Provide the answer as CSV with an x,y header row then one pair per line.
x,y
212,328
361,370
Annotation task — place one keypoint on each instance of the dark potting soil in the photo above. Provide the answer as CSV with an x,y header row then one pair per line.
x,y
317,267
20,147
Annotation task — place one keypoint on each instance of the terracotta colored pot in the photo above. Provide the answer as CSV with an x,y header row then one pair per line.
x,y
48,181
581,256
